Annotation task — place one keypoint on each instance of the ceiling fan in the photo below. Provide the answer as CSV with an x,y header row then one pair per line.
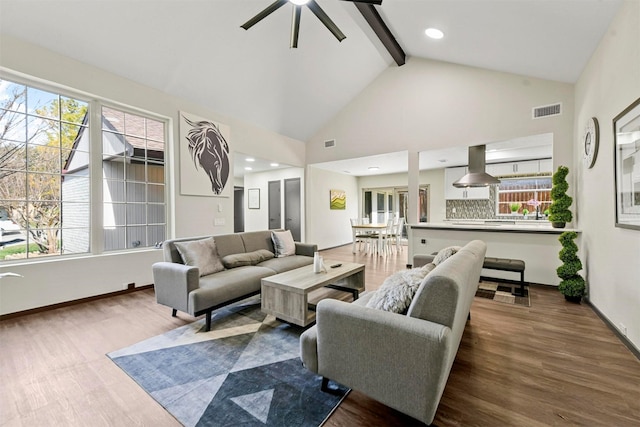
x,y
297,10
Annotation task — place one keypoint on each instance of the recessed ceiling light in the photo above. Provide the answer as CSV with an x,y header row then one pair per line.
x,y
247,168
299,2
250,159
434,33
275,165
374,168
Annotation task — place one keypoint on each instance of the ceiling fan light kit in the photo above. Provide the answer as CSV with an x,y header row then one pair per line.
x,y
297,13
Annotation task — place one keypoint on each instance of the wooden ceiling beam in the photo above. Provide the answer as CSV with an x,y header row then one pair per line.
x,y
383,32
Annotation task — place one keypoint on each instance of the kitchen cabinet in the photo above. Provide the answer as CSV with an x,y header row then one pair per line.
x,y
451,175
527,167
546,165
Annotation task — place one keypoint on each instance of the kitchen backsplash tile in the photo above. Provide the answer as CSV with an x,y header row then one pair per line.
x,y
478,209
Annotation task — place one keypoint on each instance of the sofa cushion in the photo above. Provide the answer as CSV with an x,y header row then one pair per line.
x,y
445,253
202,254
249,258
397,291
282,264
254,240
283,243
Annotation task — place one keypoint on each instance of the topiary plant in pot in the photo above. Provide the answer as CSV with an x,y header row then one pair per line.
x,y
559,213
572,284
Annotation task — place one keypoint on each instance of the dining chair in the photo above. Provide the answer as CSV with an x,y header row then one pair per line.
x,y
399,229
360,237
388,237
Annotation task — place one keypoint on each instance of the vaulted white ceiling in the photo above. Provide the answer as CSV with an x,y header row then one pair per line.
x,y
195,49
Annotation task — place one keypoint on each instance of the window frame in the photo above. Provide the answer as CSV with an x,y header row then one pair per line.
x,y
96,220
535,191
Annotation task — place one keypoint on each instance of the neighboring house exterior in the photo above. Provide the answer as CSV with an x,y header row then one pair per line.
x,y
133,190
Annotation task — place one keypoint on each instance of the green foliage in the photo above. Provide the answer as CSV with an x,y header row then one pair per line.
x,y
48,146
572,283
559,209
525,211
573,287
515,207
17,249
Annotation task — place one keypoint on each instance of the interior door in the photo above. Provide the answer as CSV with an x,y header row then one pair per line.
x,y
292,204
275,211
238,209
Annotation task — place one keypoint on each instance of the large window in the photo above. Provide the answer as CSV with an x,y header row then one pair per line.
x,y
520,192
133,188
47,173
38,131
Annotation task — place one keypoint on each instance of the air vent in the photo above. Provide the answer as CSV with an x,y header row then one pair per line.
x,y
330,143
547,110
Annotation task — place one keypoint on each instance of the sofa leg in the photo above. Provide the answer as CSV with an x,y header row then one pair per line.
x,y
331,390
174,312
469,316
208,320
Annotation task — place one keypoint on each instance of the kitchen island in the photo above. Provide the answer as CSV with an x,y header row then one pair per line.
x,y
534,242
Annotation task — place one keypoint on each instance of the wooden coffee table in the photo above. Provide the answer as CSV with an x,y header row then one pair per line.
x,y
287,295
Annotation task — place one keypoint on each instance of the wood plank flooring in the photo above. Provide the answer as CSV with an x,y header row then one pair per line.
x,y
553,363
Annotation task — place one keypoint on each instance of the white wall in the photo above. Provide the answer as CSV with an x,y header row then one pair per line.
x,y
610,82
50,282
426,105
433,177
258,219
325,227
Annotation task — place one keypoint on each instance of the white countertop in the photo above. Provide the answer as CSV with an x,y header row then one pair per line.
x,y
524,226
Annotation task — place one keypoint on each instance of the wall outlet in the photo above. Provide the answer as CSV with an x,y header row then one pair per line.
x,y
623,329
423,241
129,286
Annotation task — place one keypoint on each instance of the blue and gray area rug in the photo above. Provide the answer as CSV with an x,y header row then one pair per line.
x,y
245,371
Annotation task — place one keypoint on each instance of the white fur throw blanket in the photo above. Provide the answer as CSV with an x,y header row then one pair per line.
x,y
397,291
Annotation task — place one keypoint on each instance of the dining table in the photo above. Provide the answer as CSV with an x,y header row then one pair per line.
x,y
376,227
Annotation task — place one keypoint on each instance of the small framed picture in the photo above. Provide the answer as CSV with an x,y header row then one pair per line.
x,y
338,199
253,198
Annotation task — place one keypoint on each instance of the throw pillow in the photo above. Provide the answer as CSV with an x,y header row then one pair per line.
x,y
249,258
445,253
202,254
283,243
397,291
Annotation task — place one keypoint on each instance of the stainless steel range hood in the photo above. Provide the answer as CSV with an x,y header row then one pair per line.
x,y
476,177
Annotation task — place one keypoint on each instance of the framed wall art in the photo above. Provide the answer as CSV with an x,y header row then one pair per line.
x,y
626,145
253,198
338,199
205,163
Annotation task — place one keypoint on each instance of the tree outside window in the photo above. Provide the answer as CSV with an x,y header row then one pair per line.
x,y
38,132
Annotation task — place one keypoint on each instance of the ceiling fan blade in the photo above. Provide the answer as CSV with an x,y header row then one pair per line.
x,y
324,18
295,26
266,12
378,2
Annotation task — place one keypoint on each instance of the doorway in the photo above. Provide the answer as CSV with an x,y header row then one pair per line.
x,y
238,209
292,207
275,211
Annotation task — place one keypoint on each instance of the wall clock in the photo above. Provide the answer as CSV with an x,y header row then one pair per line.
x,y
591,141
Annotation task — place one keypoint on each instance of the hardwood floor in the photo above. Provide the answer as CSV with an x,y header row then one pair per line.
x,y
553,363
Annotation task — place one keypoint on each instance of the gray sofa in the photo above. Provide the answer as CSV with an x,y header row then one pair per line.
x,y
401,360
180,286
